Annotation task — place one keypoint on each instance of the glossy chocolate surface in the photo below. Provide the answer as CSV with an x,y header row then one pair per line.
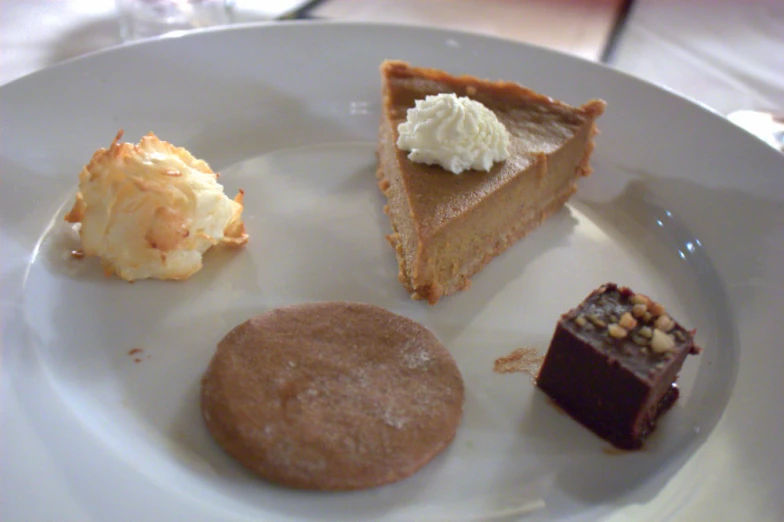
x,y
616,380
633,351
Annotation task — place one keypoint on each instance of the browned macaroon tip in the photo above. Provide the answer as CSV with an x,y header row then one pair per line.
x,y
332,396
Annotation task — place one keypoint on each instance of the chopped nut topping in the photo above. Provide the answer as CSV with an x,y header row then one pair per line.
x,y
664,323
662,342
680,336
640,299
627,321
639,309
639,340
656,309
613,318
617,331
646,317
646,331
596,321
580,320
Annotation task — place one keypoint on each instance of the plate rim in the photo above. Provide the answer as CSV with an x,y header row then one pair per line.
x,y
392,26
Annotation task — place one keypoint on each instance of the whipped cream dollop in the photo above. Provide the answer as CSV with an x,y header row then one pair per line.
x,y
457,133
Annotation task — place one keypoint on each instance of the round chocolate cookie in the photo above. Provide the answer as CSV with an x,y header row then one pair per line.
x,y
332,396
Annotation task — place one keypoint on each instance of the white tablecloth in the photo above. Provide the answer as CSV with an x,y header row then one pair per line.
x,y
38,33
727,54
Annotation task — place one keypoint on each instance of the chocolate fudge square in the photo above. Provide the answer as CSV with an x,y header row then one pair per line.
x,y
613,362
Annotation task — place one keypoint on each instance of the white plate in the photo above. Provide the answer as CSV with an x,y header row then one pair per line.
x,y
682,205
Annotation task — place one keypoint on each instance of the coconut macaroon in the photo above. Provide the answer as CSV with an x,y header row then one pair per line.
x,y
151,210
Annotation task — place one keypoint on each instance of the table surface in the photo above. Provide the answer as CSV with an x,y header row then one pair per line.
x,y
725,54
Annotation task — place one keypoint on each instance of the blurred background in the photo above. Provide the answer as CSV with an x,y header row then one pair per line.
x,y
726,54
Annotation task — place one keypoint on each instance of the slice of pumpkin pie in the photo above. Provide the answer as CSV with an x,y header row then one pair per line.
x,y
468,167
